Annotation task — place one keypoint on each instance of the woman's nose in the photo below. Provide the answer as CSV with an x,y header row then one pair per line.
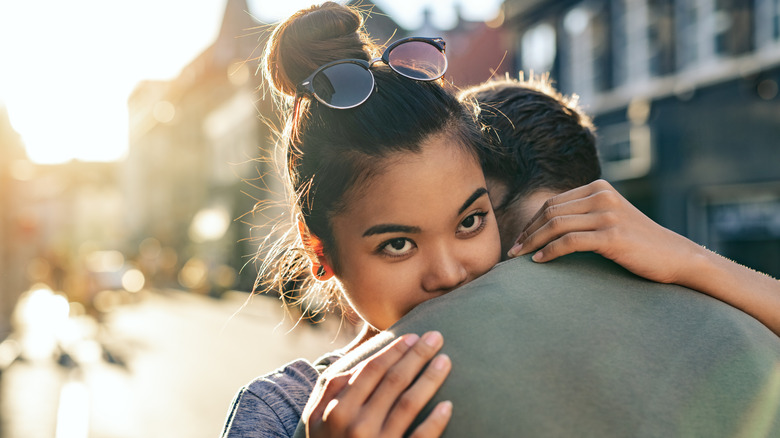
x,y
445,271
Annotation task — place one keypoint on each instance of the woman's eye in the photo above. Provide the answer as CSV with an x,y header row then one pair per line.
x,y
398,247
472,223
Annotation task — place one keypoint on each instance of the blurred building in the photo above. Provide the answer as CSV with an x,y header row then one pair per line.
x,y
685,95
12,170
476,50
53,218
200,199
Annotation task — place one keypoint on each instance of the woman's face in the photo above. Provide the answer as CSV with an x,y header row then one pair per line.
x,y
416,231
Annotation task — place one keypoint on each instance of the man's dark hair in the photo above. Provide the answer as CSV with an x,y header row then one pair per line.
x,y
545,141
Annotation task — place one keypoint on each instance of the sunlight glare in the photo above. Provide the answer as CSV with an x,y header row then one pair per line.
x,y
75,63
73,412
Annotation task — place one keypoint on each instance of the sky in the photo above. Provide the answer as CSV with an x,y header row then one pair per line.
x,y
68,67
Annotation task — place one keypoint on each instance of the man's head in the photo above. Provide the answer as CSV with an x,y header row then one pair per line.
x,y
544,145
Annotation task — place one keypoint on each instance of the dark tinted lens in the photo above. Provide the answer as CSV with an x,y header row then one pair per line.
x,y
343,85
418,60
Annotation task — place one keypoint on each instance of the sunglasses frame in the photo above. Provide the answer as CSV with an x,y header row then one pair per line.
x,y
307,87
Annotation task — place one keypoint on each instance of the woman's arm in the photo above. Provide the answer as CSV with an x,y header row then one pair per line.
x,y
380,396
595,217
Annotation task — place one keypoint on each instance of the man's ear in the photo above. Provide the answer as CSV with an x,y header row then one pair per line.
x,y
321,267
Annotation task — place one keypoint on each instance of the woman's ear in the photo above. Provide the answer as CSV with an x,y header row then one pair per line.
x,y
321,268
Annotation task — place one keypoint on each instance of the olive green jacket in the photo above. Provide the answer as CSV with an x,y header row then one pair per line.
x,y
581,347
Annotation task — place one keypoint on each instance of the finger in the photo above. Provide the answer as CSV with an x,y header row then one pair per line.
x,y
347,401
561,225
574,194
411,402
552,209
582,192
369,373
567,244
581,218
400,376
600,198
434,425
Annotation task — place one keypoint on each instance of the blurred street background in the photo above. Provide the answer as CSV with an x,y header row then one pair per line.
x,y
160,364
133,195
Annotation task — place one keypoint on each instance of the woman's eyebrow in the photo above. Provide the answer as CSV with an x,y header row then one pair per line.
x,y
395,228
390,228
474,196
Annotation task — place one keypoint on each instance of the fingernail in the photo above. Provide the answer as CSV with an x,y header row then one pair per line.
x,y
411,339
445,408
441,362
515,249
432,338
538,256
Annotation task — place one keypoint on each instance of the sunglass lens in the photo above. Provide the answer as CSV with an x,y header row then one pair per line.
x,y
343,85
418,60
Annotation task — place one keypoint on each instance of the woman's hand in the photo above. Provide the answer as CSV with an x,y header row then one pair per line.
x,y
378,399
595,217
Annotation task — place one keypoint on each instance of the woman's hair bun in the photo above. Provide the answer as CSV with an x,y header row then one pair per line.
x,y
310,38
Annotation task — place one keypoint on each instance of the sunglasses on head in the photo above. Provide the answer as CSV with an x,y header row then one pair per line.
x,y
347,83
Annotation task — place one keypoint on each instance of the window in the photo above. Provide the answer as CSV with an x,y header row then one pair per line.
x,y
578,70
601,21
767,22
775,17
621,40
661,37
713,28
538,48
688,24
643,40
625,151
733,27
741,223
588,56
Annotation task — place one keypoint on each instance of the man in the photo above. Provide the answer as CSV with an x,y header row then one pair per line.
x,y
580,346
543,145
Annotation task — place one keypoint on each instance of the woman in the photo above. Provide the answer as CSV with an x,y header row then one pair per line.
x,y
391,204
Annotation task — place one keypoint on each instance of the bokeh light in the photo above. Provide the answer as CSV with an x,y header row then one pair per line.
x,y
133,280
